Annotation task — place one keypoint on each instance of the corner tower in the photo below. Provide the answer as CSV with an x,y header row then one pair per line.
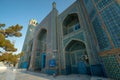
x,y
27,46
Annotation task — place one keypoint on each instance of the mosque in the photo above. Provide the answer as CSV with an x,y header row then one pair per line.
x,y
83,39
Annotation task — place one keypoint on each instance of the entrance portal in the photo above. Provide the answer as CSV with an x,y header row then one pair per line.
x,y
41,50
43,60
76,57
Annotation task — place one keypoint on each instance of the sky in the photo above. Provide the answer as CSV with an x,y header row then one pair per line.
x,y
14,12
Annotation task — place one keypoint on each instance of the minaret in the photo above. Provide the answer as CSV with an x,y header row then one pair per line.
x,y
28,38
31,27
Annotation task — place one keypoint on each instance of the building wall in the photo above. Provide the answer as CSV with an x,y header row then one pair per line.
x,y
81,35
90,23
104,17
49,24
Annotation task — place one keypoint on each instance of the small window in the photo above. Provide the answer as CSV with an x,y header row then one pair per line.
x,y
77,27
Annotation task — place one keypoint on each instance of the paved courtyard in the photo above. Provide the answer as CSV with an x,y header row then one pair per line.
x,y
10,74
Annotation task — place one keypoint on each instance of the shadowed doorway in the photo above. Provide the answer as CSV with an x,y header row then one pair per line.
x,y
76,57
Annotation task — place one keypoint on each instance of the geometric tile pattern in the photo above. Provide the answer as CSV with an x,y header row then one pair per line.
x,y
112,66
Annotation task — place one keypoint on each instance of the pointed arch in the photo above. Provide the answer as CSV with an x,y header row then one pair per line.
x,y
75,54
70,23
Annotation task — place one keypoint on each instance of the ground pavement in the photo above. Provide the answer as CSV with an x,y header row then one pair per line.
x,y
11,74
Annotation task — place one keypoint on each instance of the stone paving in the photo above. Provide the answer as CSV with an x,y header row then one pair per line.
x,y
27,75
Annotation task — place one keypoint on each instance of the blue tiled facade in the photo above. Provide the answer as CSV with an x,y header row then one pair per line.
x,y
102,38
111,17
83,39
104,15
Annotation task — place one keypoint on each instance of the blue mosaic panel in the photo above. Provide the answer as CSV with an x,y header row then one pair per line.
x,y
52,63
112,67
102,38
103,3
111,17
25,65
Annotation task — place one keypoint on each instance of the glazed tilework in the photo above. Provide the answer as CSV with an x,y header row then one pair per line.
x,y
112,66
78,36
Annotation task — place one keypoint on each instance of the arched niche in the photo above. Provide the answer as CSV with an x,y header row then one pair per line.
x,y
76,55
71,23
40,58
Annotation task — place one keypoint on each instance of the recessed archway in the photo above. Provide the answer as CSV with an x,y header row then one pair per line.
x,y
29,52
41,50
71,23
75,56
